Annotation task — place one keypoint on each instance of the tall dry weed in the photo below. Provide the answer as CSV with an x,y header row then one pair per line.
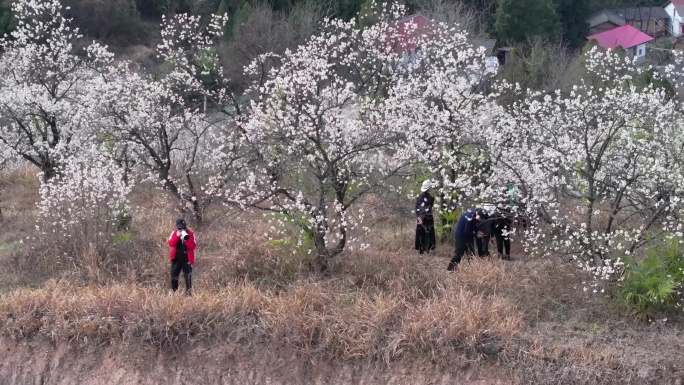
x,y
306,320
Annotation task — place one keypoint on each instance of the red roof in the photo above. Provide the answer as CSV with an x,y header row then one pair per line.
x,y
624,36
408,29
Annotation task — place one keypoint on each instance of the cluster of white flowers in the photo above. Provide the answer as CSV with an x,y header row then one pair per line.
x,y
85,197
45,98
440,107
311,143
600,166
190,47
57,103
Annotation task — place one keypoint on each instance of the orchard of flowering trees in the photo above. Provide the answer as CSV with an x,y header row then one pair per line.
x,y
601,165
45,90
348,115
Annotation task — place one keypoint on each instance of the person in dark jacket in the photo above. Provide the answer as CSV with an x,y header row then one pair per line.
x,y
425,222
502,225
484,231
466,233
182,256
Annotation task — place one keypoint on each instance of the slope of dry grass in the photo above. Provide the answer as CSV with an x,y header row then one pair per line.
x,y
308,319
384,305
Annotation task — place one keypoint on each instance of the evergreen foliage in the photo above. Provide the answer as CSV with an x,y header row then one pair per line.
x,y
518,20
573,15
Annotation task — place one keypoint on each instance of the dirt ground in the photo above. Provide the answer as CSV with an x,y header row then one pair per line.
x,y
582,354
43,363
614,352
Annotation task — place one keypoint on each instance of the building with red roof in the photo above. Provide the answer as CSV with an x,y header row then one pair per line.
x,y
409,29
631,39
675,9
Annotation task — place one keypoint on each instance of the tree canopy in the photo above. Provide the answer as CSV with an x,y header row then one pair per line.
x,y
573,15
517,20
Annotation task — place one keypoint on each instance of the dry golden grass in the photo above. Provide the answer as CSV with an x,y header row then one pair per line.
x,y
534,285
378,306
18,198
385,304
310,318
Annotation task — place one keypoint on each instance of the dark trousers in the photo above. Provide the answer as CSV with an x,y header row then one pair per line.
x,y
503,243
483,245
425,236
463,246
176,269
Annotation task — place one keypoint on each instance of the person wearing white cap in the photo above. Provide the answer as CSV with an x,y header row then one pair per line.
x,y
425,222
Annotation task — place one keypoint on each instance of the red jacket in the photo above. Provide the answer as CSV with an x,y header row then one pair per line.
x,y
190,243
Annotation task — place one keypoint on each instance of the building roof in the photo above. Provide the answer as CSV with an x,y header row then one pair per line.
x,y
488,44
410,27
625,36
604,16
678,5
642,13
415,25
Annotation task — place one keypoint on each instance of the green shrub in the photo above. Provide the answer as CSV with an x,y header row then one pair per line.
x,y
652,285
151,9
123,220
115,21
445,226
123,237
7,21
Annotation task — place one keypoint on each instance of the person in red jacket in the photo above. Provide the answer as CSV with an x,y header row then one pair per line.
x,y
182,256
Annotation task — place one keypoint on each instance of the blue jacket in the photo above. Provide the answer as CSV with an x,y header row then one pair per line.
x,y
467,227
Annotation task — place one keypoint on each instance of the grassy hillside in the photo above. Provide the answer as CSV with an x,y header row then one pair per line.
x,y
385,306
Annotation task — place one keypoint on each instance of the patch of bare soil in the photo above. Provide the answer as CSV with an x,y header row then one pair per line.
x,y
40,362
612,352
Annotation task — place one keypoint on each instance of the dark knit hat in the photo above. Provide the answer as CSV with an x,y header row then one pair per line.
x,y
180,223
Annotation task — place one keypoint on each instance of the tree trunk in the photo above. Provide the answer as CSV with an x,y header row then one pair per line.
x,y
196,207
49,171
322,253
197,211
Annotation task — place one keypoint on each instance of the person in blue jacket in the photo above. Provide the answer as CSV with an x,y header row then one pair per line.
x,y
466,232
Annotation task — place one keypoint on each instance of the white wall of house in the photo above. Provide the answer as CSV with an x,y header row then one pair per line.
x,y
640,51
637,52
492,62
676,18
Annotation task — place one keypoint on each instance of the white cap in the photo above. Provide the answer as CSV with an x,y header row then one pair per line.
x,y
426,185
490,208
